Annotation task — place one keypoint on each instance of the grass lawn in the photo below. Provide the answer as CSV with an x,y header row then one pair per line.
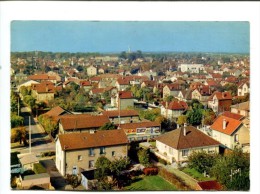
x,y
151,183
196,175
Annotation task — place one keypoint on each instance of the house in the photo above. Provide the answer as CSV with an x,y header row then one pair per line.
x,y
78,152
122,116
229,132
185,95
44,91
122,83
43,77
122,100
86,85
171,90
243,89
148,84
27,83
191,68
241,108
177,145
81,123
202,94
91,71
220,101
56,112
141,131
173,109
36,181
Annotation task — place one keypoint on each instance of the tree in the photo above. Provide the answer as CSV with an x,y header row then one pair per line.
x,y
30,101
239,163
143,157
108,126
201,161
16,121
103,167
182,119
50,126
73,180
19,134
194,116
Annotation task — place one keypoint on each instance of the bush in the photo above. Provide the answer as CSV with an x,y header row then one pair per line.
x,y
150,171
162,161
173,179
50,153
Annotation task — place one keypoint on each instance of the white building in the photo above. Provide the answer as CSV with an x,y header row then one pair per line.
x,y
192,68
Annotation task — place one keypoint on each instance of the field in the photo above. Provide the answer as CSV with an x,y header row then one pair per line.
x,y
151,183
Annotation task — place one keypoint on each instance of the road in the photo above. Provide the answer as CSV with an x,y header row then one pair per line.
x,y
40,141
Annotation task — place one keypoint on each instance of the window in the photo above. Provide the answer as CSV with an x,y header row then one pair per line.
x,y
113,153
91,152
236,138
185,153
91,164
79,157
102,150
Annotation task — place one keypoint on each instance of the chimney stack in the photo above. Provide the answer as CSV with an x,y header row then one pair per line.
x,y
184,129
224,123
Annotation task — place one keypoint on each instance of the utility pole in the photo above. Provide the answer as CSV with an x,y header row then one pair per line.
x,y
30,138
18,107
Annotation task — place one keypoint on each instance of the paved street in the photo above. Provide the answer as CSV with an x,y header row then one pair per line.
x,y
40,141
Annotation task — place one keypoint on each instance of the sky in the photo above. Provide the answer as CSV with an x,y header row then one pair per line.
x,y
118,36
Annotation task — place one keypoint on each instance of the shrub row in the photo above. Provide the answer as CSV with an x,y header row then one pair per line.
x,y
50,153
173,179
150,171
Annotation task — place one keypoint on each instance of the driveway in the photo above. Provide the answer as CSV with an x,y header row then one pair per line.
x,y
57,180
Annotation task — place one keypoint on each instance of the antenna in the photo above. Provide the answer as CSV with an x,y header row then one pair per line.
x,y
30,134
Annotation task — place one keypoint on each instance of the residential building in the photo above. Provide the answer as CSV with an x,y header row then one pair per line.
x,y
191,68
241,108
172,90
177,145
43,77
122,116
122,100
202,94
141,131
243,89
220,101
81,123
229,132
173,109
91,71
78,152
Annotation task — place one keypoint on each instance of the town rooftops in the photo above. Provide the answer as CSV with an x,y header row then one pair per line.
x,y
125,95
225,125
123,113
73,122
242,106
192,138
232,115
221,95
74,141
56,111
139,125
41,77
176,105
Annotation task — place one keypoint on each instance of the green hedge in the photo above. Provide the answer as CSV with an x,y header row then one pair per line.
x,y
38,168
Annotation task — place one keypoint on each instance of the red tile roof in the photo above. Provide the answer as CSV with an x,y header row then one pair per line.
x,y
210,185
41,77
232,115
85,83
174,86
56,111
139,125
125,95
74,141
84,121
123,81
176,105
221,96
45,87
231,125
193,138
123,113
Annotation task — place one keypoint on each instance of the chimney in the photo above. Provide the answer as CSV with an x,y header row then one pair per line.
x,y
184,129
224,123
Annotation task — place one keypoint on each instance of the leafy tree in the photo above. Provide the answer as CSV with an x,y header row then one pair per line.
x,y
123,55
169,98
194,116
201,161
232,88
25,91
30,101
18,134
16,120
50,126
108,126
103,167
143,157
239,163
73,180
182,119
